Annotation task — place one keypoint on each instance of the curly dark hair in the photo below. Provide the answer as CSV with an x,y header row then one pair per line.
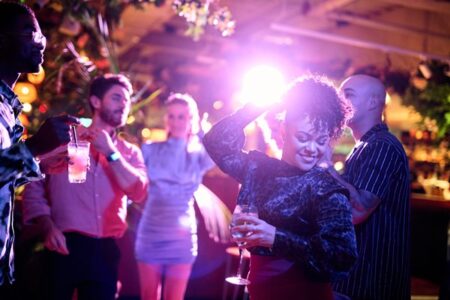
x,y
316,97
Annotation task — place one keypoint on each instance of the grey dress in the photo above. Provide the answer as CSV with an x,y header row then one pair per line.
x,y
167,231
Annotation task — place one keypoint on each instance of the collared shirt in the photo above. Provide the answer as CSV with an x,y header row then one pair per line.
x,y
378,164
95,208
310,210
17,166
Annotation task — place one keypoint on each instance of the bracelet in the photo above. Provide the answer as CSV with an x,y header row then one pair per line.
x,y
113,156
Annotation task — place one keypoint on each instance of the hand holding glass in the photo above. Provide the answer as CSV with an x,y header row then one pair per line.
x,y
78,161
239,210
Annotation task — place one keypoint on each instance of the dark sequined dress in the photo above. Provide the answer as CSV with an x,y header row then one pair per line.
x,y
315,240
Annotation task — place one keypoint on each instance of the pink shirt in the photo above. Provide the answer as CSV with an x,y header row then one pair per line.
x,y
97,207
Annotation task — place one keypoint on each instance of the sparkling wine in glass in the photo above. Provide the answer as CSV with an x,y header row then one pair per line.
x,y
239,210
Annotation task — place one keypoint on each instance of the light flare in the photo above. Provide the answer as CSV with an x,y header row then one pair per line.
x,y
263,85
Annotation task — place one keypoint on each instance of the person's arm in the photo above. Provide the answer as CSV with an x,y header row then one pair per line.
x,y
17,163
363,202
54,132
225,140
206,162
37,214
54,239
35,201
131,176
369,180
329,252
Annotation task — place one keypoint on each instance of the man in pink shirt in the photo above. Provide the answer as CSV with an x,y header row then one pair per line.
x,y
80,221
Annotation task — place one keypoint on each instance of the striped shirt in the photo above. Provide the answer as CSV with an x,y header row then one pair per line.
x,y
378,164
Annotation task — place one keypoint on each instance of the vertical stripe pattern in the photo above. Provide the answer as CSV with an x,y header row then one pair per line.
x,y
378,164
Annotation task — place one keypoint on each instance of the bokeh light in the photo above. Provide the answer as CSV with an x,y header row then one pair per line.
x,y
146,133
26,92
43,108
154,134
131,119
419,134
339,166
388,99
36,78
217,104
27,107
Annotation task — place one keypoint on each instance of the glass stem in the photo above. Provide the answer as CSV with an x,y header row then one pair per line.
x,y
241,258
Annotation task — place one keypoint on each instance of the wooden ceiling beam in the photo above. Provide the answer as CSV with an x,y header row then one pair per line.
x,y
363,21
327,6
336,38
428,5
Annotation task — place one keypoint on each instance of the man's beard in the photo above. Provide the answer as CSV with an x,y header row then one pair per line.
x,y
109,117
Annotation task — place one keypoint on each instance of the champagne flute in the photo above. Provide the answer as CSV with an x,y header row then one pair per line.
x,y
239,210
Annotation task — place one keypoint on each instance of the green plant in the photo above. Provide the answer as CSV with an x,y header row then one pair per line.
x,y
429,94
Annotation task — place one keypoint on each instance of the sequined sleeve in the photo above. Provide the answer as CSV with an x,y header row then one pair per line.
x,y
17,163
330,251
225,140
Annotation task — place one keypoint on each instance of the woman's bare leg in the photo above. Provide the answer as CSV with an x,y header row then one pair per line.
x,y
150,281
175,281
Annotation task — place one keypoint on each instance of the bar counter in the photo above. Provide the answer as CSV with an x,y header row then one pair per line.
x,y
430,202
430,217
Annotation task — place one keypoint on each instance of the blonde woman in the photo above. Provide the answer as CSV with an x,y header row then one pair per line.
x,y
166,243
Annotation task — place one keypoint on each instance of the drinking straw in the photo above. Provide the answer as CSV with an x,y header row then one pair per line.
x,y
74,134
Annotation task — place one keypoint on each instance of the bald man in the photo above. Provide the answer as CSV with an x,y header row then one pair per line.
x,y
377,176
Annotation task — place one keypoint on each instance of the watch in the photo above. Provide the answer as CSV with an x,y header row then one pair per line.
x,y
113,156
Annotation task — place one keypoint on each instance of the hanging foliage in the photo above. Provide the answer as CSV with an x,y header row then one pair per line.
x,y
427,90
429,94
80,46
199,14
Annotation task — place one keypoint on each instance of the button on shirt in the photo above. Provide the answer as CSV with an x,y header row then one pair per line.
x,y
17,166
97,207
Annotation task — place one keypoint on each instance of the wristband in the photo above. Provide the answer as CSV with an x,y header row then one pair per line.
x,y
113,156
